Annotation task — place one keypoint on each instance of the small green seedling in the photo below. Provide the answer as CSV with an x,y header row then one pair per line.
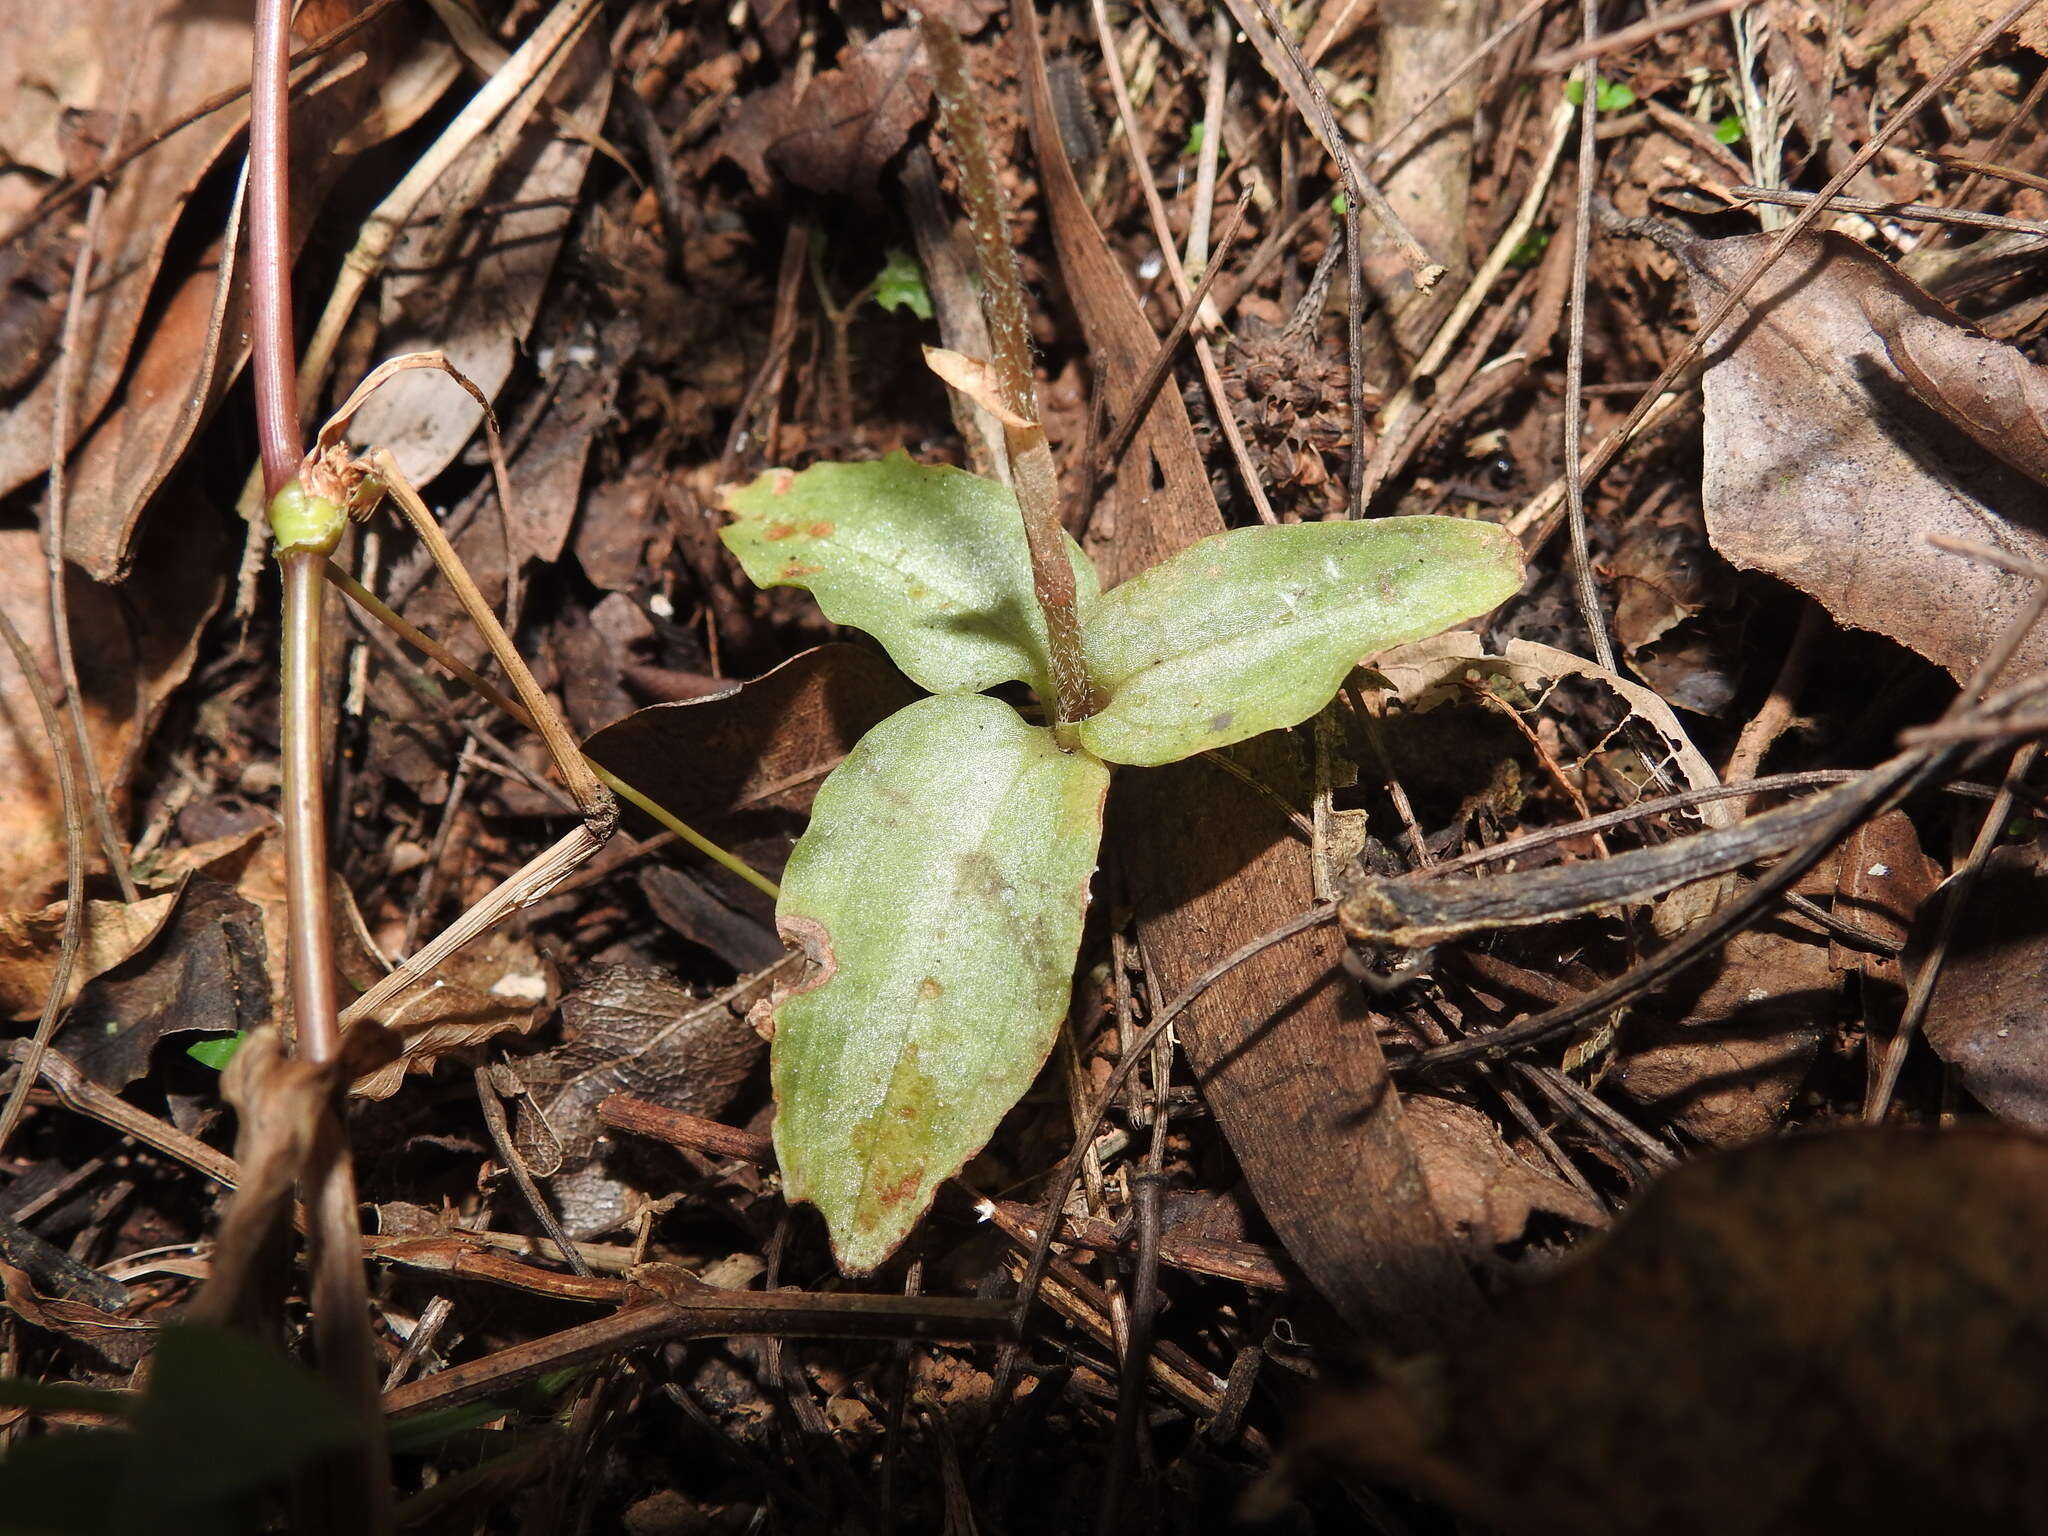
x,y
1729,129
1608,95
900,285
940,889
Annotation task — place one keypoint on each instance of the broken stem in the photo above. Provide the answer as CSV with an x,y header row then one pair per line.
x,y
1002,295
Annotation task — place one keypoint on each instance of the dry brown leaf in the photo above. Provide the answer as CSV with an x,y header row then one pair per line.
x,y
149,61
746,763
1986,1016
206,971
629,1030
854,119
1825,470
134,645
1725,1072
114,930
477,302
491,988
1841,1333
1482,1190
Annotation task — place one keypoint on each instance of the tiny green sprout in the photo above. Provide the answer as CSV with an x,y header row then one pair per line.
x,y
217,1052
941,887
303,521
1729,129
1530,248
1193,146
1339,205
900,285
1608,95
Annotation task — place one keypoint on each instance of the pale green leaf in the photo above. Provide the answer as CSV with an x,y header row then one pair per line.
x,y
931,561
1255,629
940,889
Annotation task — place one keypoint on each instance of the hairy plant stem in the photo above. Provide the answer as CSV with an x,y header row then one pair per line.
x,y
1002,296
351,1492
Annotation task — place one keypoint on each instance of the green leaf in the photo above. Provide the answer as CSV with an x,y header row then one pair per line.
x,y
1193,146
1729,129
1612,96
1255,629
940,890
931,561
217,1052
900,285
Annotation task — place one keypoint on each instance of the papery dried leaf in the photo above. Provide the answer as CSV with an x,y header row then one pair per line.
x,y
1842,1333
493,987
1992,392
29,941
476,302
1823,467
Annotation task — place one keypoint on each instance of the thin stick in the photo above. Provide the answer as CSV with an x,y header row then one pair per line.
x,y
1599,46
1136,146
1063,1181
74,878
54,531
1912,213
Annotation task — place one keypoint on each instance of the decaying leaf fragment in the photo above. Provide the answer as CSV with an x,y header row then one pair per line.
x,y
1832,454
1840,1333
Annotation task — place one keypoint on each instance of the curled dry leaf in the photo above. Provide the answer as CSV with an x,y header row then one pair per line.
x,y
1832,452
1839,1333
205,971
29,941
493,987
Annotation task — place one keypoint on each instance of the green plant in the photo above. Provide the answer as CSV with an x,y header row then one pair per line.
x,y
1608,95
941,886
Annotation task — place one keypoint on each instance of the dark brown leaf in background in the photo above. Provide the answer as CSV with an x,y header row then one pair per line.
x,y
856,118
735,765
207,971
1990,1004
631,1030
1841,1333
1825,470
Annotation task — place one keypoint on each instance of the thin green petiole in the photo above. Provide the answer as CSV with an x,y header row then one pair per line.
x,y
420,641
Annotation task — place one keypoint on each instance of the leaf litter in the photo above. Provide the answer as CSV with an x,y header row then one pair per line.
x,y
647,340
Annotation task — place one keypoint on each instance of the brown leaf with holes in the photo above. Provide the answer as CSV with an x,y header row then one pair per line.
x,y
1839,1333
1826,469
493,987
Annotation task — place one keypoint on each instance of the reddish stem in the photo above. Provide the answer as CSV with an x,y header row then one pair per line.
x,y
273,348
